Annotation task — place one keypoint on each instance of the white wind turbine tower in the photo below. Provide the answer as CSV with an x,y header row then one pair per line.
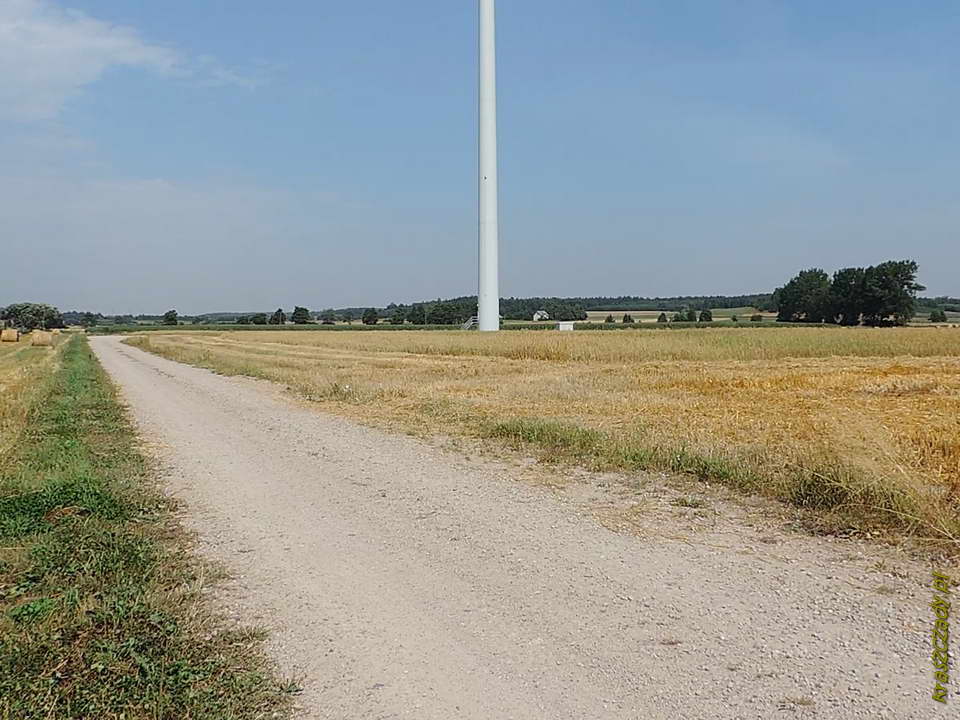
x,y
488,300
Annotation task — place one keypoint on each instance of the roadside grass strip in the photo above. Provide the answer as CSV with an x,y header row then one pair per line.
x,y
102,610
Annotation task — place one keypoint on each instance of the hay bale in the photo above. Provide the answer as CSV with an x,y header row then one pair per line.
x,y
10,335
39,338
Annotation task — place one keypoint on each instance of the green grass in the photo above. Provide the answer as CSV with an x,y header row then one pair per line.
x,y
100,607
841,496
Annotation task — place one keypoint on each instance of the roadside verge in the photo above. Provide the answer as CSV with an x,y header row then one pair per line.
x,y
101,608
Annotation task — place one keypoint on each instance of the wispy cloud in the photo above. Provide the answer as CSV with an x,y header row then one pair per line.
x,y
49,54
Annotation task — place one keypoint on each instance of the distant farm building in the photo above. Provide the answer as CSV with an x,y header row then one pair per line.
x,y
541,315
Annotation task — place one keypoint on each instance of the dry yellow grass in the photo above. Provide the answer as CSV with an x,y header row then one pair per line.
x,y
21,369
863,423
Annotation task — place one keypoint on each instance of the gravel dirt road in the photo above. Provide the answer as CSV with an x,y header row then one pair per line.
x,y
400,579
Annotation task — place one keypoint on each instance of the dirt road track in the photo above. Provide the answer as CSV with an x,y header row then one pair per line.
x,y
404,581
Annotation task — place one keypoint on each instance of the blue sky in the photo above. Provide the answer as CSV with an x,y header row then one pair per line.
x,y
240,155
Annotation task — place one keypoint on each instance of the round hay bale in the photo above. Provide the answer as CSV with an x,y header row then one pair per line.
x,y
10,335
39,338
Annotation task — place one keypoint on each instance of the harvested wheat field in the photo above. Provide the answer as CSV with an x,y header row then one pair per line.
x,y
23,370
860,424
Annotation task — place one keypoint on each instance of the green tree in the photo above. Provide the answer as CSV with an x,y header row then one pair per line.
x,y
370,316
609,320
242,320
170,317
806,298
847,296
446,313
328,317
706,316
300,316
734,319
662,318
417,315
938,316
259,319
399,316
627,319
756,317
279,317
890,293
30,316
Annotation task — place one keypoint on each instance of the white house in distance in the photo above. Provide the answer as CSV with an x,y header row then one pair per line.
x,y
541,315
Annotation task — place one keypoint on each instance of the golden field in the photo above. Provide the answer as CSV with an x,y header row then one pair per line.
x,y
863,424
22,369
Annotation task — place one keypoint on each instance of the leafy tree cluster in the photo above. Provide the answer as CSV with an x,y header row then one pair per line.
x,y
170,317
84,319
31,316
685,315
278,318
938,316
300,316
883,294
948,304
762,301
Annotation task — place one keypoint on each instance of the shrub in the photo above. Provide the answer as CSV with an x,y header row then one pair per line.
x,y
662,318
938,316
756,318
628,319
706,316
610,320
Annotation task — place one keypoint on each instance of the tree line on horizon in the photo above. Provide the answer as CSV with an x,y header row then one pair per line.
x,y
878,295
883,294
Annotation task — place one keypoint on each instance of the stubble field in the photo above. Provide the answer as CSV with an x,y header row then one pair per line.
x,y
861,425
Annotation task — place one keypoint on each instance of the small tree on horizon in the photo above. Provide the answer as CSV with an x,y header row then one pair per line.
x,y
628,319
370,316
170,317
609,320
938,316
662,318
706,316
279,317
300,316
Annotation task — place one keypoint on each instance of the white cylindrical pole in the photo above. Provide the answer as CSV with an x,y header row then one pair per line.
x,y
489,290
